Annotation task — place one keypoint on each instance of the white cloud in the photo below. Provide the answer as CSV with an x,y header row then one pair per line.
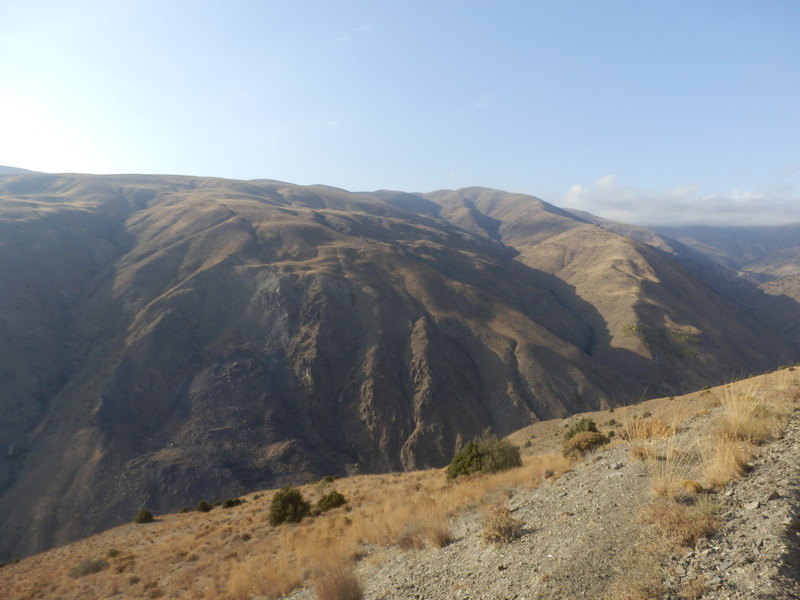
x,y
775,204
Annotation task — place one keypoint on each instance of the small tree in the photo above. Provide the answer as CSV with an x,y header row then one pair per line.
x,y
288,506
485,454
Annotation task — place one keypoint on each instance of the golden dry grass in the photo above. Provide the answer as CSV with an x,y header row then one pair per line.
x,y
499,526
645,429
235,554
338,584
681,524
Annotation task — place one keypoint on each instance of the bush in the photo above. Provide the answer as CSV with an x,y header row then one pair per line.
x,y
231,502
143,516
582,424
288,506
203,506
582,442
485,454
331,500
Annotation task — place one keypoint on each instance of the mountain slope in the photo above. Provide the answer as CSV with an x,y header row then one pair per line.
x,y
167,339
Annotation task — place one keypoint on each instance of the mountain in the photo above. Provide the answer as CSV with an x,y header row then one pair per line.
x,y
167,339
12,170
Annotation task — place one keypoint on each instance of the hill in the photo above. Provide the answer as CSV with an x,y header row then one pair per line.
x,y
171,338
658,512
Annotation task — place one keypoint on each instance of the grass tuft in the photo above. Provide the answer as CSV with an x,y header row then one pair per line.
x,y
682,524
499,526
338,584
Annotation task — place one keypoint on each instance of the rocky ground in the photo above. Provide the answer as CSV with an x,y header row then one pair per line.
x,y
581,529
756,552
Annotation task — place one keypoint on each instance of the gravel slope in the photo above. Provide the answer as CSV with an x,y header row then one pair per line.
x,y
580,527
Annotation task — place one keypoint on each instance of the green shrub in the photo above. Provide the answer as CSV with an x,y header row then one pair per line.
x,y
582,424
331,500
288,506
485,454
231,502
203,506
143,516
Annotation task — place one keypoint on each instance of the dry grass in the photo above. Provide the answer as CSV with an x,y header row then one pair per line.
x,y
679,516
338,584
694,589
725,459
639,577
235,554
499,526
682,524
747,417
750,417
645,429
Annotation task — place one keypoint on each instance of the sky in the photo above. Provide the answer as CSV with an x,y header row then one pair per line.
x,y
657,112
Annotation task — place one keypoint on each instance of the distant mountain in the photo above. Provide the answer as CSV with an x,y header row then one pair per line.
x,y
12,170
766,253
168,339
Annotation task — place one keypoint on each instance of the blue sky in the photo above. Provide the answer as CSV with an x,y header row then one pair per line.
x,y
653,112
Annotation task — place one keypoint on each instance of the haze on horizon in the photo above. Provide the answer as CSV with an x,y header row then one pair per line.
x,y
657,113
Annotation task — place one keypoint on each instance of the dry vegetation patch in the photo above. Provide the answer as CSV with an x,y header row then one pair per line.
x,y
235,554
682,523
339,584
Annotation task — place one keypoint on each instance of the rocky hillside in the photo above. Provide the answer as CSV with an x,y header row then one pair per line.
x,y
164,339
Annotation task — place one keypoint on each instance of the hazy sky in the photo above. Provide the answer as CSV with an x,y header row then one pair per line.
x,y
645,111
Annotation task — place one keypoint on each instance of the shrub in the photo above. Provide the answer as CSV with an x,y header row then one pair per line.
x,y
582,424
143,516
288,506
88,566
499,526
582,442
331,500
231,502
485,454
203,506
